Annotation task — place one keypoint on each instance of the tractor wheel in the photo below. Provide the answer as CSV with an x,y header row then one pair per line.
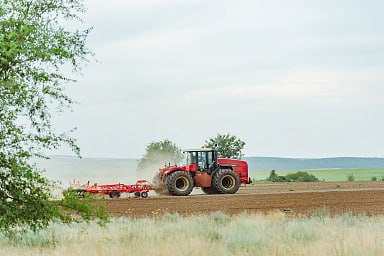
x,y
114,194
226,181
144,194
209,190
179,183
137,194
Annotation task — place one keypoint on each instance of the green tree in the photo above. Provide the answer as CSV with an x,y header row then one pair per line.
x,y
275,178
229,146
35,49
156,154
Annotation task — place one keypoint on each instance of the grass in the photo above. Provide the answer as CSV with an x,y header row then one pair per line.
x,y
211,234
330,175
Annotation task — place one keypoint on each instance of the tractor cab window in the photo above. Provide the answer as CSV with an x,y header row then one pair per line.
x,y
209,158
202,160
205,160
191,158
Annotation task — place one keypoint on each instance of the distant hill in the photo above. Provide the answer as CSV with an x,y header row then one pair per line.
x,y
105,170
276,163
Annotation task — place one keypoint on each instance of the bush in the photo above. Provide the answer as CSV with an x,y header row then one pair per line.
x,y
292,177
301,177
351,177
374,179
275,178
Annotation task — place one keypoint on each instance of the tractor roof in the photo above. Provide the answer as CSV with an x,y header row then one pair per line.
x,y
198,150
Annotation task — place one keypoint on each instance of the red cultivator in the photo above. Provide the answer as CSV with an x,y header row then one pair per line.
x,y
140,189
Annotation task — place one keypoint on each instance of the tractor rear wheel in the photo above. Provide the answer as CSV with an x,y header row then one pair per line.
x,y
179,183
226,181
209,190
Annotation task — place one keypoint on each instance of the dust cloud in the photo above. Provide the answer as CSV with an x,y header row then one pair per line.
x,y
65,169
148,168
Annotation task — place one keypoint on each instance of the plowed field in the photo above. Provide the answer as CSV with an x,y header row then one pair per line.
x,y
291,198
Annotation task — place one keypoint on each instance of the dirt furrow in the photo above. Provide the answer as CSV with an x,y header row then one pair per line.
x,y
359,201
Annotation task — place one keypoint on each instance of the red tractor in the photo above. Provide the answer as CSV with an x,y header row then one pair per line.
x,y
203,169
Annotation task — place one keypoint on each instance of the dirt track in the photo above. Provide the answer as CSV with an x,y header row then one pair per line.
x,y
292,198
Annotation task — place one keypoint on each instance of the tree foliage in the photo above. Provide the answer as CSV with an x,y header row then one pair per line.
x,y
229,146
157,153
35,48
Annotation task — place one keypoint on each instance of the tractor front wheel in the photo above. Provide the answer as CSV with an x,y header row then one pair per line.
x,y
226,181
179,183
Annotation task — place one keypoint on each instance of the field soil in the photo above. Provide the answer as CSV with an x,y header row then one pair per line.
x,y
290,198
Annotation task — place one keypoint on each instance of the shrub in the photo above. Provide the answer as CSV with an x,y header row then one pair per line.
x,y
301,177
351,177
275,178
272,175
292,177
374,178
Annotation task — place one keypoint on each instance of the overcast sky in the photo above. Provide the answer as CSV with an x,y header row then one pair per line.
x,y
291,78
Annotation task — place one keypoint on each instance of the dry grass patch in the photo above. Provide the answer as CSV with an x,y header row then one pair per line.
x,y
211,234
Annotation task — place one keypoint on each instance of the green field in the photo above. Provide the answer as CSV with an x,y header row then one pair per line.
x,y
330,175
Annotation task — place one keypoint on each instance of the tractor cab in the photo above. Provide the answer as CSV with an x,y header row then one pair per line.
x,y
201,160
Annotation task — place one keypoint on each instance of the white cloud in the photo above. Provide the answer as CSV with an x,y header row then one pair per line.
x,y
294,86
159,43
